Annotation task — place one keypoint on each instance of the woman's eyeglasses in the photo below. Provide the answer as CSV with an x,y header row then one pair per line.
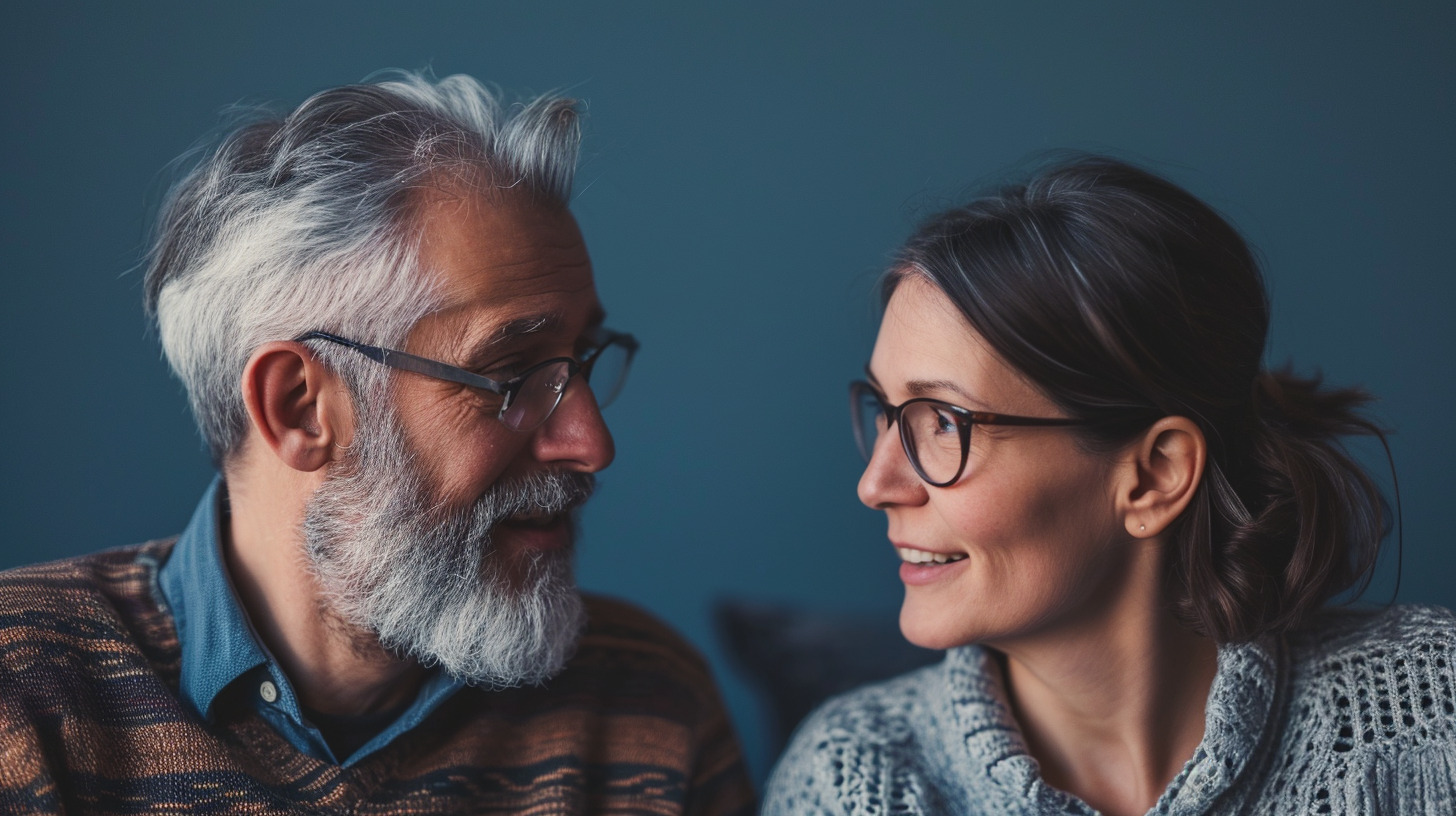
x,y
936,435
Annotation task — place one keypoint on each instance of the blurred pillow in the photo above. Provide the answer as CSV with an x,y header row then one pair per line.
x,y
796,658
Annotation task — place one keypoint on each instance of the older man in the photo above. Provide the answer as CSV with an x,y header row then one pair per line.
x,y
386,322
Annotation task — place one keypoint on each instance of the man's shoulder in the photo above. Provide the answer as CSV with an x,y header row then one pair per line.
x,y
627,664
637,702
621,634
84,605
80,584
624,624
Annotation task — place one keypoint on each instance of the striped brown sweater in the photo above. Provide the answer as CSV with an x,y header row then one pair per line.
x,y
90,721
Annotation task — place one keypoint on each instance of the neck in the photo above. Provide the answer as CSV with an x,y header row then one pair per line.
x,y
1112,702
335,668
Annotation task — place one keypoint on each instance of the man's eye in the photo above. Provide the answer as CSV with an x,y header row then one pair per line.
x,y
498,371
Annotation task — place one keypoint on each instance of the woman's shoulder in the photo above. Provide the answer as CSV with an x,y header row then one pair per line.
x,y
859,744
1354,631
879,712
1363,648
1404,651
1373,696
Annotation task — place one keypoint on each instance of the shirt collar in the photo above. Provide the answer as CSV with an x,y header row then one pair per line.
x,y
218,643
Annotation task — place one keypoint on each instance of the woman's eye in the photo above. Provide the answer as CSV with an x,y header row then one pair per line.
x,y
945,422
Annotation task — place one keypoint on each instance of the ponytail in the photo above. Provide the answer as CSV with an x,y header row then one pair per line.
x,y
1279,528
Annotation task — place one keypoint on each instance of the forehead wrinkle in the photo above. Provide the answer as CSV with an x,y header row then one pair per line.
x,y
534,268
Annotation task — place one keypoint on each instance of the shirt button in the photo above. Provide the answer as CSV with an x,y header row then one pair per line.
x,y
268,691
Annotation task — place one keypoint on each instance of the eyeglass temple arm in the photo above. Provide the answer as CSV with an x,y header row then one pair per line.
x,y
409,362
982,418
978,417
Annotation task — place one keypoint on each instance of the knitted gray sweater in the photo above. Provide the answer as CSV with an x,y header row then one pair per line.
x,y
1354,714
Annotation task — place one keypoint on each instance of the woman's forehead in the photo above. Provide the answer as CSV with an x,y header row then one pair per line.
x,y
926,348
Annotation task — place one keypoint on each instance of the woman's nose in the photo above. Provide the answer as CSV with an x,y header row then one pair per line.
x,y
889,480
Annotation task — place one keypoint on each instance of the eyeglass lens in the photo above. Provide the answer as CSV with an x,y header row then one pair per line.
x,y
869,421
608,373
934,436
929,433
542,391
537,397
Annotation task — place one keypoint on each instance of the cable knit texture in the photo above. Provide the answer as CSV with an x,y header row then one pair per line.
x,y
1355,714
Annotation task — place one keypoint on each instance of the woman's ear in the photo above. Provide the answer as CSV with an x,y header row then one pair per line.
x,y
298,407
1164,467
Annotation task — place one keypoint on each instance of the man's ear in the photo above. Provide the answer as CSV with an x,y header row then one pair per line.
x,y
1164,467
297,405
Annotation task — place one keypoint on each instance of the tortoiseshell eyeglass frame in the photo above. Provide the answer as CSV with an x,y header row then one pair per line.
x,y
965,420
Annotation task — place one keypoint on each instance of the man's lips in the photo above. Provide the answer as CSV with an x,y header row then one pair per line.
x,y
551,532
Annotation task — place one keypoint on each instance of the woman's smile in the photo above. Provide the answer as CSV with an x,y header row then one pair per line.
x,y
921,567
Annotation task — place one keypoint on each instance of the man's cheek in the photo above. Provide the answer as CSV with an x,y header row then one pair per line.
x,y
467,470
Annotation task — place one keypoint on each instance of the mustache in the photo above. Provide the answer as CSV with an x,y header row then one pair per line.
x,y
537,496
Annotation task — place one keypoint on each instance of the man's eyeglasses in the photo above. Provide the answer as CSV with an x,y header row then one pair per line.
x,y
528,399
936,435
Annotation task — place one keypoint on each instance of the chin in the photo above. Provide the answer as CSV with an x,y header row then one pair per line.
x,y
932,622
933,628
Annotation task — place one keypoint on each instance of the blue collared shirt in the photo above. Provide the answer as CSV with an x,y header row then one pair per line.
x,y
221,648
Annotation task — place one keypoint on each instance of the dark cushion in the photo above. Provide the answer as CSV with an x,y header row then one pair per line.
x,y
797,658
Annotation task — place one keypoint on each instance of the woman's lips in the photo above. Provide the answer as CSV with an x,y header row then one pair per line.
x,y
920,567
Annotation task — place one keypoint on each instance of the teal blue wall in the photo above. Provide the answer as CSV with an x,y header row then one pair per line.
x,y
747,170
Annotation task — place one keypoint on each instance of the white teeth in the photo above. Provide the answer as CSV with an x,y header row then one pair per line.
x,y
922,557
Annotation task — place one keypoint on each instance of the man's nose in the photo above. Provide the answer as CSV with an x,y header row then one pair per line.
x,y
575,436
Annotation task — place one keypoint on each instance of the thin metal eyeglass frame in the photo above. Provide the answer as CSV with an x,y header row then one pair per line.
x,y
508,389
966,419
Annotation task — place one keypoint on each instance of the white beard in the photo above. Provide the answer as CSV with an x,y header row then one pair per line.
x,y
425,581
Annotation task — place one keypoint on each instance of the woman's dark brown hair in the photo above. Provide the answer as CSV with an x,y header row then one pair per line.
x,y
1125,299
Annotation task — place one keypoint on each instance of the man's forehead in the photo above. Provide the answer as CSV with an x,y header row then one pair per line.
x,y
503,237
506,268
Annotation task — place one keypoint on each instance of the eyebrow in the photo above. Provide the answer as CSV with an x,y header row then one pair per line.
x,y
520,327
925,388
922,388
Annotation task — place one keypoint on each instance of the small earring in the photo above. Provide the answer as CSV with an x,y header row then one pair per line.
x,y
1142,527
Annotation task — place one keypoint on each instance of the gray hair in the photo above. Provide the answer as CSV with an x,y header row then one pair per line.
x,y
306,222
427,581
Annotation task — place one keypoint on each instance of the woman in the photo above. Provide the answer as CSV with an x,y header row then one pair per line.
x,y
1125,531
